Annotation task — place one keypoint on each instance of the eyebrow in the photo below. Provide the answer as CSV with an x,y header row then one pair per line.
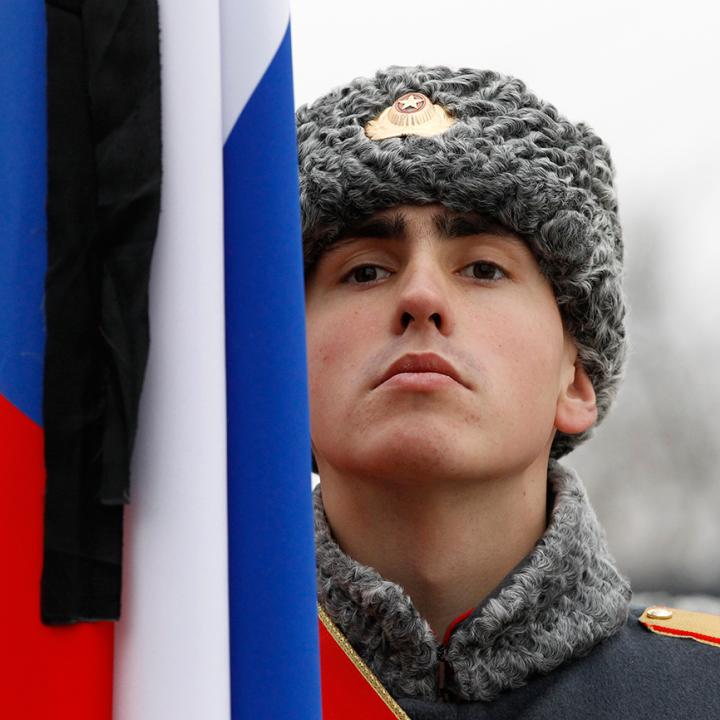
x,y
382,228
450,225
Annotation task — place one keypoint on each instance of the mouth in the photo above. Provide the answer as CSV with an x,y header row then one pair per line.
x,y
422,368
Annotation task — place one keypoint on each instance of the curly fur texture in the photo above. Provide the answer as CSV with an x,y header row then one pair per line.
x,y
510,156
565,597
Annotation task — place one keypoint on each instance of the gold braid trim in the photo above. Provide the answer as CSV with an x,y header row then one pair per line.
x,y
364,670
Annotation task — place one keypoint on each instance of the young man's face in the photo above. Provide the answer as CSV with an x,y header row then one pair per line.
x,y
435,349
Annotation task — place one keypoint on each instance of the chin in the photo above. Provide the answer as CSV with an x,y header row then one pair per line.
x,y
410,455
422,449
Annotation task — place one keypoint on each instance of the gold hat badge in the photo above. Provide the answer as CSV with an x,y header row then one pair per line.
x,y
410,114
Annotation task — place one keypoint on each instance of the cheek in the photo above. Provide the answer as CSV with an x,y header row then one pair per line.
x,y
528,343
321,353
336,344
329,342
342,335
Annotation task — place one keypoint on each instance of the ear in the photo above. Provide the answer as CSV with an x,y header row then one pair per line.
x,y
576,409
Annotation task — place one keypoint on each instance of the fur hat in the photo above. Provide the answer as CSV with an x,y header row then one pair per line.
x,y
495,149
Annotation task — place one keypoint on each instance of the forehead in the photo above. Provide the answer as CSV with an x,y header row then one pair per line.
x,y
399,222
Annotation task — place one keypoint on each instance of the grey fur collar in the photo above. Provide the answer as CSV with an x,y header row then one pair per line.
x,y
558,603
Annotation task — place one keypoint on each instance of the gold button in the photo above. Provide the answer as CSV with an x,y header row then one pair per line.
x,y
659,613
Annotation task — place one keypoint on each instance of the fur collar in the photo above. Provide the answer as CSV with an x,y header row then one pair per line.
x,y
558,603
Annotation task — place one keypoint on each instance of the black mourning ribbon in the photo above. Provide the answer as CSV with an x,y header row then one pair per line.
x,y
104,169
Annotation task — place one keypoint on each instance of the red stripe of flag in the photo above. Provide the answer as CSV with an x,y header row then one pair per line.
x,y
60,673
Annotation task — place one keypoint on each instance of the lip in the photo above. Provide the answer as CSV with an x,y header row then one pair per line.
x,y
415,364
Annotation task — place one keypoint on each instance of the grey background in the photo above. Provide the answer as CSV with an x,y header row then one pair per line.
x,y
645,77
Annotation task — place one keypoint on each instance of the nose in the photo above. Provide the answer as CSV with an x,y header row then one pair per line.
x,y
407,318
423,302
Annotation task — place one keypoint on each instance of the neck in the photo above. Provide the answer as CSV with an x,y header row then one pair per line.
x,y
448,546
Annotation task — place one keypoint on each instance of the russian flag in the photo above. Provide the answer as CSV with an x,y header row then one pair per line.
x,y
219,609
219,605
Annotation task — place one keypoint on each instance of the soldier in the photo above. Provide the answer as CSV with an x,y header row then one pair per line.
x,y
465,331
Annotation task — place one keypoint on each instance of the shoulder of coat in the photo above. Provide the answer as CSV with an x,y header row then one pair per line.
x,y
672,622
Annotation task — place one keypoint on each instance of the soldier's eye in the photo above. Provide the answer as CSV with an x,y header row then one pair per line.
x,y
366,274
483,270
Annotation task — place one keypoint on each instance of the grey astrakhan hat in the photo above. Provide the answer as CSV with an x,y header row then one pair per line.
x,y
476,140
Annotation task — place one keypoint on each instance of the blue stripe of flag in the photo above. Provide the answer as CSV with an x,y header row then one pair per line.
x,y
23,181
273,619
